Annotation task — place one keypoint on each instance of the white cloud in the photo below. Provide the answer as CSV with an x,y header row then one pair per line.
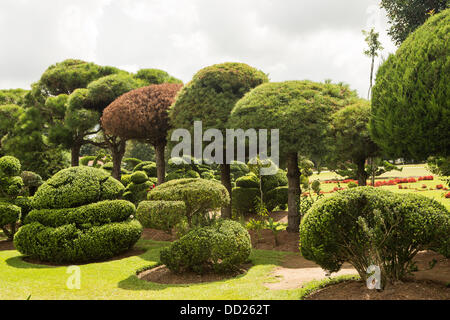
x,y
288,39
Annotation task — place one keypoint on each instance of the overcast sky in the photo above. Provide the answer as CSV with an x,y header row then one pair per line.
x,y
288,39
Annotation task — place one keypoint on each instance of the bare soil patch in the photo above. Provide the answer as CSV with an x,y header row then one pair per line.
x,y
163,275
357,290
130,253
157,235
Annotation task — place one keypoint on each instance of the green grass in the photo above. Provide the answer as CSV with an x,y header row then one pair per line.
x,y
117,280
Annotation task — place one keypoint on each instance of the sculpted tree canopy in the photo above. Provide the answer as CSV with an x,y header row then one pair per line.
x,y
69,75
410,102
302,111
210,97
142,114
156,76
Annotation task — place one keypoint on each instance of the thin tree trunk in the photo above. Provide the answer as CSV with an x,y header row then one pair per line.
x,y
371,77
75,153
117,151
160,163
361,172
294,192
225,176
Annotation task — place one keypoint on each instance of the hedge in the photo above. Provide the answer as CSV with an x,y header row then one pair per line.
x,y
161,215
222,247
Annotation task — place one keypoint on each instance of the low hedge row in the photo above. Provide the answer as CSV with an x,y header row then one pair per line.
x,y
67,243
161,215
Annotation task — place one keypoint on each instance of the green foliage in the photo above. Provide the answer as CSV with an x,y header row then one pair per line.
x,y
139,150
25,204
199,195
406,16
131,163
32,181
77,186
181,174
76,218
69,244
9,115
139,177
148,167
137,192
274,105
222,247
12,96
161,215
9,214
212,94
155,76
367,226
9,166
94,214
277,197
410,114
244,200
248,181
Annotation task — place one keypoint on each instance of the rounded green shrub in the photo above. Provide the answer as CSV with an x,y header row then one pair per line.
x,y
137,192
367,226
277,197
244,200
9,166
77,186
148,167
25,204
271,182
248,181
139,177
68,227
125,179
131,163
352,184
222,247
199,195
85,160
182,174
9,213
32,181
161,215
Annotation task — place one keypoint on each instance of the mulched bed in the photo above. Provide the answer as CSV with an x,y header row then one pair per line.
x,y
357,290
163,275
6,245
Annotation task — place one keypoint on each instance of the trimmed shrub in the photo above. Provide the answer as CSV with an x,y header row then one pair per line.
x,y
66,226
366,226
161,215
273,181
244,200
9,166
70,244
137,192
25,204
352,185
11,186
208,175
181,174
93,214
32,181
9,213
238,169
200,196
77,186
125,179
139,177
85,160
222,247
248,181
148,167
277,197
131,163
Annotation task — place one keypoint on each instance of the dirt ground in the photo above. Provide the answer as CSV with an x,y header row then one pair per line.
x,y
357,290
163,275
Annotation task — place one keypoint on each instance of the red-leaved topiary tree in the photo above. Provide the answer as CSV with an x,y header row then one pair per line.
x,y
141,114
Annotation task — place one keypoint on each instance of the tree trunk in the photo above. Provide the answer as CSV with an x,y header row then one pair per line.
x,y
75,152
294,192
361,172
117,151
371,77
160,163
225,176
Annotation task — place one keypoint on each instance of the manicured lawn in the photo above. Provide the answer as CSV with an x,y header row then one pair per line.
x,y
117,280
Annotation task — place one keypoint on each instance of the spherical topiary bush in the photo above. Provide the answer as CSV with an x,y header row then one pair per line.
x,y
9,166
410,104
76,218
244,200
222,247
277,197
149,167
161,215
366,226
200,196
136,191
182,174
248,181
